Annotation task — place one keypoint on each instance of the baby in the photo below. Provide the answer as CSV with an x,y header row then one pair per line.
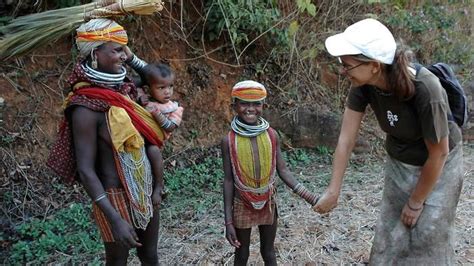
x,y
167,113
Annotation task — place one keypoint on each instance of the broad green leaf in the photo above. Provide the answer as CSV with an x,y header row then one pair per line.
x,y
311,9
300,4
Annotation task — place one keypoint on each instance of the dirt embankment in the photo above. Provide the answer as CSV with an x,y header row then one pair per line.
x,y
33,88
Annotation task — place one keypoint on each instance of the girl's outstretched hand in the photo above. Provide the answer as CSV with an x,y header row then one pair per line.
x,y
326,202
231,235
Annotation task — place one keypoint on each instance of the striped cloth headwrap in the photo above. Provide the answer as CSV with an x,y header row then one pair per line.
x,y
96,32
249,91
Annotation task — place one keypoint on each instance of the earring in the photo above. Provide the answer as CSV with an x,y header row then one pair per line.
x,y
94,60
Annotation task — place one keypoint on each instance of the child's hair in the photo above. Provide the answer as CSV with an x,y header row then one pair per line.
x,y
155,70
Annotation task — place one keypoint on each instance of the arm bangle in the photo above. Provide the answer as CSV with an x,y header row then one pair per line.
x,y
296,187
136,63
100,197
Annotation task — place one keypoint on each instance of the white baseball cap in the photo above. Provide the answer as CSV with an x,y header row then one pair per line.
x,y
368,37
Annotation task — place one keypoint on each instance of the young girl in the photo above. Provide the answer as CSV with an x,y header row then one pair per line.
x,y
168,114
423,170
251,156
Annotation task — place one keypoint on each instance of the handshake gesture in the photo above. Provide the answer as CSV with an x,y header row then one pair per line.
x,y
322,204
326,202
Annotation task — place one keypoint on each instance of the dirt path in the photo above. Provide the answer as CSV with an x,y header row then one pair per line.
x,y
304,237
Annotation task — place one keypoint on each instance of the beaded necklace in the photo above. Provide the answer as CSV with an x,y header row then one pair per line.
x,y
139,179
246,130
255,188
133,166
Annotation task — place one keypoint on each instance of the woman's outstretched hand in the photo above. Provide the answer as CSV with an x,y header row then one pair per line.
x,y
326,202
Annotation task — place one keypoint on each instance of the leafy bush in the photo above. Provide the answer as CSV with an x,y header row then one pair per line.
x,y
297,157
435,32
198,178
243,20
305,157
197,186
69,232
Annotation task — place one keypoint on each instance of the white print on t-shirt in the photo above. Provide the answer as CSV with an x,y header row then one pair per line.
x,y
392,118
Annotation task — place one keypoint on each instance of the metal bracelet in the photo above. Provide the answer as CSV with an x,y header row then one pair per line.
x,y
100,197
413,209
296,188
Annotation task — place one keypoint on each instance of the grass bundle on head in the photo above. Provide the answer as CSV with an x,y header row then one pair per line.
x,y
26,33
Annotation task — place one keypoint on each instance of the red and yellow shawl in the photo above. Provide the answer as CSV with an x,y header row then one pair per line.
x,y
98,98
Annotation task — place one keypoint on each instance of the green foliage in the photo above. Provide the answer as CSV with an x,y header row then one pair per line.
x,y
70,231
198,178
434,32
422,19
196,186
323,150
297,157
243,20
193,134
7,139
306,5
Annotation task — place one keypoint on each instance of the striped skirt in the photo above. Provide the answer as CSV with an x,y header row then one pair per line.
x,y
118,199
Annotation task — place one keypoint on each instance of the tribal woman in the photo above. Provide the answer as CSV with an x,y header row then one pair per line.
x,y
102,141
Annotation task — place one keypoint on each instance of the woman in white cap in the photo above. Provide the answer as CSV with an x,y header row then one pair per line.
x,y
423,172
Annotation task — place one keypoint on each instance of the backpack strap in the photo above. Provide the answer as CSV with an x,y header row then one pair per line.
x,y
417,68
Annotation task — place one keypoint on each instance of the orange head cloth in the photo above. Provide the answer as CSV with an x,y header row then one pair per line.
x,y
249,91
96,32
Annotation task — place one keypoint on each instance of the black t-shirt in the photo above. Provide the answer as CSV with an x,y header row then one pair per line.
x,y
408,123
